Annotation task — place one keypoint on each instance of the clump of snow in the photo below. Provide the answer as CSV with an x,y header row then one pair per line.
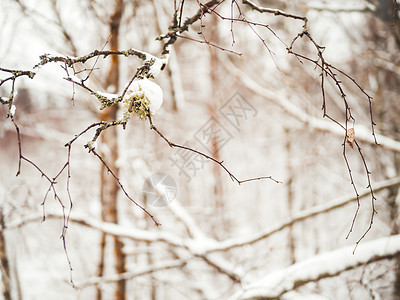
x,y
55,55
107,95
144,95
12,110
156,64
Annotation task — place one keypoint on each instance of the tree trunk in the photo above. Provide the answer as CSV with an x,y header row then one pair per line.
x,y
109,187
5,266
290,194
215,94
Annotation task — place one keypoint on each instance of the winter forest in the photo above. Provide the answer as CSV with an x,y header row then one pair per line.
x,y
190,149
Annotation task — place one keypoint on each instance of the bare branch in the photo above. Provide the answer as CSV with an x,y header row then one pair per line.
x,y
283,100
122,187
221,163
52,188
172,34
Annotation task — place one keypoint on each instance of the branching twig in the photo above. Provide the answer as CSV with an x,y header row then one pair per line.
x,y
52,188
275,12
373,198
91,146
221,163
70,61
122,187
209,44
299,217
175,30
328,71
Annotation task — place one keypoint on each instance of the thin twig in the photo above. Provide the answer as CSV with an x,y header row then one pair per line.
x,y
52,188
122,187
221,163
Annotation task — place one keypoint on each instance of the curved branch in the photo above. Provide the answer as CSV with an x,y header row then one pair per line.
x,y
283,100
301,216
220,163
157,267
325,265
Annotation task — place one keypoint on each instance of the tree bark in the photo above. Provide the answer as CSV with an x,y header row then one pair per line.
x,y
5,266
212,107
109,187
290,195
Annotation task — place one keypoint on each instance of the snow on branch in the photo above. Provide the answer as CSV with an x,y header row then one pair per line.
x,y
70,61
276,12
301,216
325,265
140,96
183,215
193,247
157,267
179,27
331,7
199,242
198,245
143,97
13,75
106,227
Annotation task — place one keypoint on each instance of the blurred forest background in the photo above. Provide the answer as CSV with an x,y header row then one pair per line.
x,y
259,112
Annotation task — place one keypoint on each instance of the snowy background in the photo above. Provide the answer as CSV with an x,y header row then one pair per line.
x,y
218,239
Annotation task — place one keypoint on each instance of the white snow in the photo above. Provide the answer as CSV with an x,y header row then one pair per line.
x,y
327,264
299,296
12,110
150,90
155,68
75,79
55,55
107,95
160,189
200,223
